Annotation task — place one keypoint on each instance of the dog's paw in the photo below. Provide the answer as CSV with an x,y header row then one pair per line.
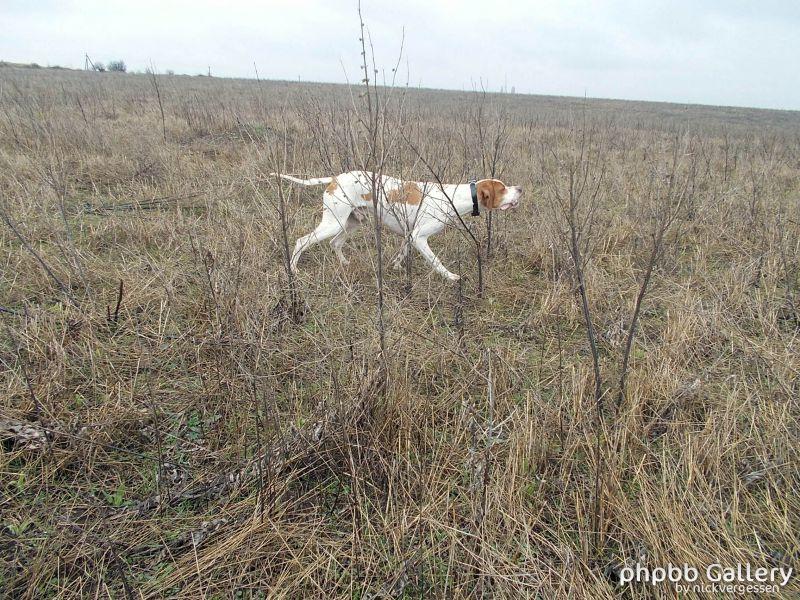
x,y
453,277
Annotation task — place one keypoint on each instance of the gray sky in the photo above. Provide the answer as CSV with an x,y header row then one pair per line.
x,y
732,52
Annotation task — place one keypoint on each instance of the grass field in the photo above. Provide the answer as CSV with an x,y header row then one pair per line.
x,y
180,418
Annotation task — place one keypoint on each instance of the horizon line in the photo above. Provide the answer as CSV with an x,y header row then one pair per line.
x,y
257,78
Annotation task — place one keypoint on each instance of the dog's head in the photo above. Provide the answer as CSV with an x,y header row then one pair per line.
x,y
494,194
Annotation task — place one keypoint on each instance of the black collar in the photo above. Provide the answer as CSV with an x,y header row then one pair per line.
x,y
474,190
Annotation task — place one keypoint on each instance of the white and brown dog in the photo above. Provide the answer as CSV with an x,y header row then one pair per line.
x,y
411,209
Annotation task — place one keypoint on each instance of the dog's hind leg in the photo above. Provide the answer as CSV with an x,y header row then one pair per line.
x,y
334,221
340,238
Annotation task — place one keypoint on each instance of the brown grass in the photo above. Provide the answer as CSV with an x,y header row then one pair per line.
x,y
175,354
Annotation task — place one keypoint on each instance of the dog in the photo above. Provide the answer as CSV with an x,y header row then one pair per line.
x,y
412,209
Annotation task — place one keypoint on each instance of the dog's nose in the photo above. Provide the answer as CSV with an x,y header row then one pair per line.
x,y
519,189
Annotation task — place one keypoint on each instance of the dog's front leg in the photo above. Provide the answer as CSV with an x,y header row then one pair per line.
x,y
397,263
421,244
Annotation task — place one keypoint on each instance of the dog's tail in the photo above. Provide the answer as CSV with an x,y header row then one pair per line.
x,y
316,181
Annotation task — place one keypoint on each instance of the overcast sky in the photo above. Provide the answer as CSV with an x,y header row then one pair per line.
x,y
730,52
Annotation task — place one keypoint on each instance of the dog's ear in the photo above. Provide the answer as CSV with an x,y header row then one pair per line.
x,y
486,193
490,192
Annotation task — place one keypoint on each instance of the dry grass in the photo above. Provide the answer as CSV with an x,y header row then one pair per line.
x,y
467,465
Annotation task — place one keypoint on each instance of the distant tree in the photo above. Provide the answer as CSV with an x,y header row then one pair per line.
x,y
98,66
117,66
170,72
